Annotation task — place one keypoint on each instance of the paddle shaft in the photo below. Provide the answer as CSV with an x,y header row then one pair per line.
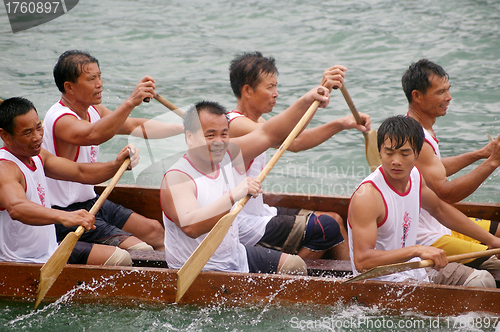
x,y
350,103
286,144
195,263
462,257
54,265
169,105
104,195
380,271
371,148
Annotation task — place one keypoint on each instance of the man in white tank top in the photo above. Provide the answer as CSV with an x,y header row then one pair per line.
x,y
383,214
201,188
427,89
254,80
27,232
76,126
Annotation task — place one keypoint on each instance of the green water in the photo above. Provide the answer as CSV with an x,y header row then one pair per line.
x,y
187,46
105,317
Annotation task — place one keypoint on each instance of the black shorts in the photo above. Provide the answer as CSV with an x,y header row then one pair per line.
x,y
262,260
80,253
320,233
109,221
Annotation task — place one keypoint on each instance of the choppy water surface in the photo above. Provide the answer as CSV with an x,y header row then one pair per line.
x,y
187,46
293,317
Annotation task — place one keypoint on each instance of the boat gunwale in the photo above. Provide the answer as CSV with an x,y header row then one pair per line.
x,y
130,285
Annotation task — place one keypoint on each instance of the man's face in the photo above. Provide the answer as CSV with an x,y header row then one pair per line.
x,y
436,100
263,98
397,163
211,141
88,89
26,142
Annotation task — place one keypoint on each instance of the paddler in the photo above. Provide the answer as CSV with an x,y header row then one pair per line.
x,y
383,216
76,125
254,80
207,181
427,89
27,232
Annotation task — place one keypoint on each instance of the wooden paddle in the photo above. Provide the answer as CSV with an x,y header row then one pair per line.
x,y
400,267
169,105
54,265
371,147
193,266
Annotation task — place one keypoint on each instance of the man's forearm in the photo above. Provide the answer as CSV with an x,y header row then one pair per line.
x,y
457,163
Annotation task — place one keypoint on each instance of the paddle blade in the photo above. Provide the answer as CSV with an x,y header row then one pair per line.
x,y
372,154
193,266
389,269
53,267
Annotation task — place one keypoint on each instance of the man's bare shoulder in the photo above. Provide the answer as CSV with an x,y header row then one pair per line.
x,y
7,165
366,205
427,155
10,173
366,191
177,177
242,125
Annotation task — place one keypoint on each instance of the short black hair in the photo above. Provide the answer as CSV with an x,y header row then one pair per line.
x,y
246,69
10,109
401,129
417,77
191,118
70,66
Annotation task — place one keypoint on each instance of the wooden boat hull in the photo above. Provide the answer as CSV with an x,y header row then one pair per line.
x,y
157,285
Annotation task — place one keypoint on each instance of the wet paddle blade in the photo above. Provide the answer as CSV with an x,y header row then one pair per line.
x,y
389,269
372,154
53,267
193,266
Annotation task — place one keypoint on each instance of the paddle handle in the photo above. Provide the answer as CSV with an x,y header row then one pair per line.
x,y
350,103
461,257
109,188
169,105
102,198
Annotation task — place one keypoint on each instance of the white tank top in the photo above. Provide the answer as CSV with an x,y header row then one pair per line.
x,y
255,215
399,229
64,193
430,230
231,254
21,242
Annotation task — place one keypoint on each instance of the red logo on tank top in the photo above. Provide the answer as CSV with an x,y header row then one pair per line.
x,y
41,193
93,154
406,228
